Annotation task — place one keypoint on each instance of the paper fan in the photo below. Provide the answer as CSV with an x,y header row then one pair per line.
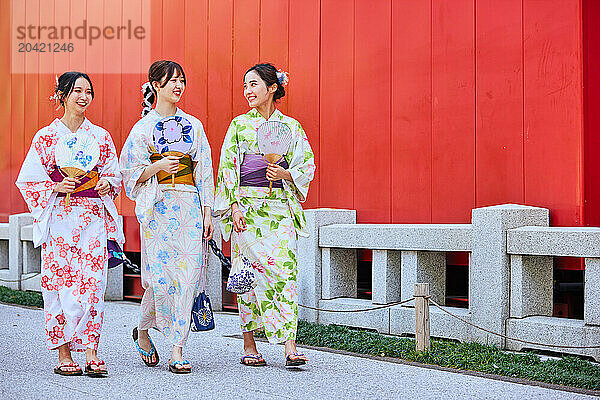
x,y
274,139
76,155
173,136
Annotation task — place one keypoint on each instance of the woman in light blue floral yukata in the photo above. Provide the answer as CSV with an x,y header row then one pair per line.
x,y
173,218
266,223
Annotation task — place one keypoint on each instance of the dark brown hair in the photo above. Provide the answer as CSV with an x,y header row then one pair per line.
x,y
159,70
66,82
268,74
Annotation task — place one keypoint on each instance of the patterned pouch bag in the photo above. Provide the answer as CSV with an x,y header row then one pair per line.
x,y
202,314
242,276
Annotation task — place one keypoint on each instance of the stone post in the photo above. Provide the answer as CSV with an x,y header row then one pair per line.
x,y
424,267
489,272
385,277
15,249
591,289
531,280
309,256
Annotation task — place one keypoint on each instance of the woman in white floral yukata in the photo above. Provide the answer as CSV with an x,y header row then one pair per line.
x,y
174,218
267,221
73,237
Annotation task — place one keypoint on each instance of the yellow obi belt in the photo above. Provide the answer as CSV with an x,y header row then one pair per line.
x,y
185,174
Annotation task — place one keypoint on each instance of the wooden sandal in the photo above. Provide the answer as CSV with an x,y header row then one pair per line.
x,y
95,372
183,370
260,361
60,371
143,352
294,360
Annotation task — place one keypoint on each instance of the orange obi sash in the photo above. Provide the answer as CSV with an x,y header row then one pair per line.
x,y
185,174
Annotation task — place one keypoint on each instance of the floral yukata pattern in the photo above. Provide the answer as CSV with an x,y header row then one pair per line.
x,y
274,222
171,224
73,239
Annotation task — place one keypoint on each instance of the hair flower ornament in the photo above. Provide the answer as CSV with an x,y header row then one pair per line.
x,y
55,98
283,77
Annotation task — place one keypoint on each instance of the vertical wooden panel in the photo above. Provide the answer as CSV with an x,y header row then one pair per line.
x,y
411,112
246,45
499,175
93,58
303,101
553,134
77,15
173,41
9,160
219,73
156,33
46,80
591,85
17,100
62,17
336,103
453,109
274,37
196,68
32,67
372,109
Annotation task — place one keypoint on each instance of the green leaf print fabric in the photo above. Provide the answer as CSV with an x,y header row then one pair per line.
x,y
274,223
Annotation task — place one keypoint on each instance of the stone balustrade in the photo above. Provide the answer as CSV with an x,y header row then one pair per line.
x,y
510,275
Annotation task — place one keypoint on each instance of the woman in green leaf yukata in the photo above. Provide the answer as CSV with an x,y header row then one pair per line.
x,y
265,222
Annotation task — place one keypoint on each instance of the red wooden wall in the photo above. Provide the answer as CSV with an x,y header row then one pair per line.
x,y
417,111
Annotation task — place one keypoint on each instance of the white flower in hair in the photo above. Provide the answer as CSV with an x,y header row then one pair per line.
x,y
283,77
145,86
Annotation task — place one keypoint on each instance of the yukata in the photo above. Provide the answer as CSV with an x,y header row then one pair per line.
x,y
74,237
171,226
273,221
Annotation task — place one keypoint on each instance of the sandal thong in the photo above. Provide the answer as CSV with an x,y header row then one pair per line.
x,y
95,372
173,367
294,362
143,352
60,371
260,362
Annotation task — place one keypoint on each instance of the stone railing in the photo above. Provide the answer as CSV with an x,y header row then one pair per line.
x,y
531,250
507,285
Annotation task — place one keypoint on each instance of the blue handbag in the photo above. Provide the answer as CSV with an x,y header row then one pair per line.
x,y
202,314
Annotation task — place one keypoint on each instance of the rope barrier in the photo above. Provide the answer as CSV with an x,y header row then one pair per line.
x,y
20,280
360,309
508,337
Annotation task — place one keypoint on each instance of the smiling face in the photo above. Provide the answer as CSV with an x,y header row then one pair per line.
x,y
172,90
80,97
256,92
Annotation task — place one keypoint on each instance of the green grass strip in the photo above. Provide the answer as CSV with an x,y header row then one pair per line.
x,y
569,371
31,299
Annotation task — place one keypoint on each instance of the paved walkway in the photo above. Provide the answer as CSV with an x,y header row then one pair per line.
x,y
26,369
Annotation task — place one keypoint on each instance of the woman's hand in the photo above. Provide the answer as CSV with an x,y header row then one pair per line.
x,y
67,185
239,223
103,187
208,224
276,172
169,164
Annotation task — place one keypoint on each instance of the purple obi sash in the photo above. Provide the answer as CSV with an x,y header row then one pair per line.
x,y
253,171
85,189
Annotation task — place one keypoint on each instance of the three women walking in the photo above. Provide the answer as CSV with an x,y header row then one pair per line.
x,y
167,171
